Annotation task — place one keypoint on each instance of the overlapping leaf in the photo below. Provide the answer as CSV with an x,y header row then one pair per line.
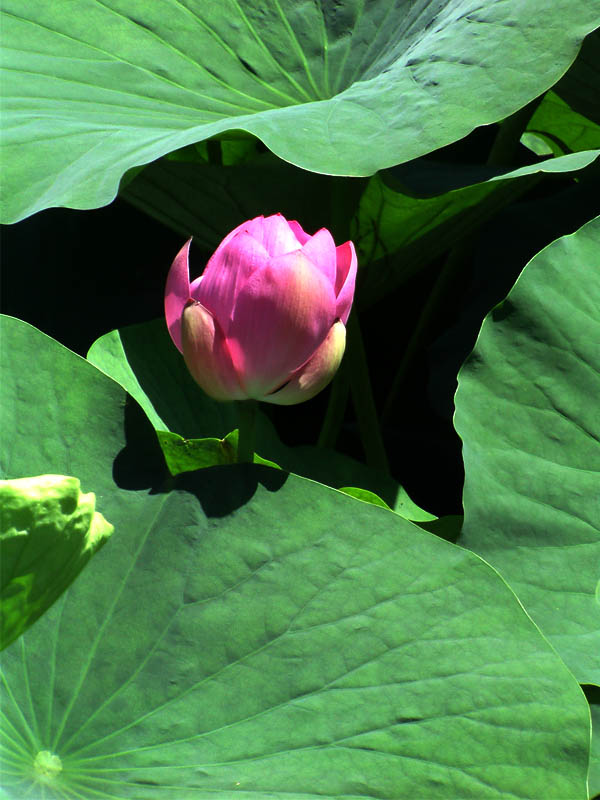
x,y
207,201
248,632
96,88
560,128
417,211
568,118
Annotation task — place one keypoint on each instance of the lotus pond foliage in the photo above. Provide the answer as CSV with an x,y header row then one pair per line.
x,y
307,506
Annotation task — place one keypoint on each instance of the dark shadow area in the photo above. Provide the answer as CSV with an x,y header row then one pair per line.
x,y
76,275
592,693
140,464
222,490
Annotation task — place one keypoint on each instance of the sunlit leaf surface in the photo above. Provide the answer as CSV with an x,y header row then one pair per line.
x,y
527,411
95,88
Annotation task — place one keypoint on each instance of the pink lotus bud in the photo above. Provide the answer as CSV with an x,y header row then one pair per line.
x,y
267,318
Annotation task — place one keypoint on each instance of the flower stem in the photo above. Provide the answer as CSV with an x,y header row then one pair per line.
x,y
457,261
362,397
247,429
336,409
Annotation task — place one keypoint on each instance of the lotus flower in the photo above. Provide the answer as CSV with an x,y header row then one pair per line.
x,y
266,320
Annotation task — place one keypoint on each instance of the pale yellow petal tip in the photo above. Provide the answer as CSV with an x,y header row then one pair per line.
x,y
317,373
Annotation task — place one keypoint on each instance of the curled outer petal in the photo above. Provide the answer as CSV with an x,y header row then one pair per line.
x,y
320,249
207,356
345,280
316,373
177,293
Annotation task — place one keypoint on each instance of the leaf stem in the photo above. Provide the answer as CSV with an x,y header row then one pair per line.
x,y
247,430
501,153
362,397
509,134
336,409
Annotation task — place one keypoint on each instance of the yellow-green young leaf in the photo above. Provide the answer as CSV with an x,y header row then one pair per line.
x,y
48,532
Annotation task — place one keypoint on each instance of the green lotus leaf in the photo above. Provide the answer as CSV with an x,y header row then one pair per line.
x,y
568,118
250,631
344,88
527,412
417,211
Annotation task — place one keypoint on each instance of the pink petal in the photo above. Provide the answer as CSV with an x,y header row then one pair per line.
x,y
282,314
345,280
242,227
177,293
275,234
226,272
195,287
206,354
321,250
298,231
316,373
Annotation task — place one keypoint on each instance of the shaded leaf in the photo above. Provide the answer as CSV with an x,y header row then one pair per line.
x,y
579,86
418,211
208,200
562,128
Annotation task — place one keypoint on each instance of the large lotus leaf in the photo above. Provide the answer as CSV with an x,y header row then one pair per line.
x,y
249,631
593,695
287,652
93,89
419,210
49,530
527,411
143,359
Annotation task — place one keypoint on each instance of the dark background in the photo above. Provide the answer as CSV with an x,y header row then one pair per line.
x,y
76,275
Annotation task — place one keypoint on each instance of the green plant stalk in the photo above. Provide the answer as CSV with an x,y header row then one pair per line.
x,y
501,153
247,431
344,197
336,408
509,134
362,397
